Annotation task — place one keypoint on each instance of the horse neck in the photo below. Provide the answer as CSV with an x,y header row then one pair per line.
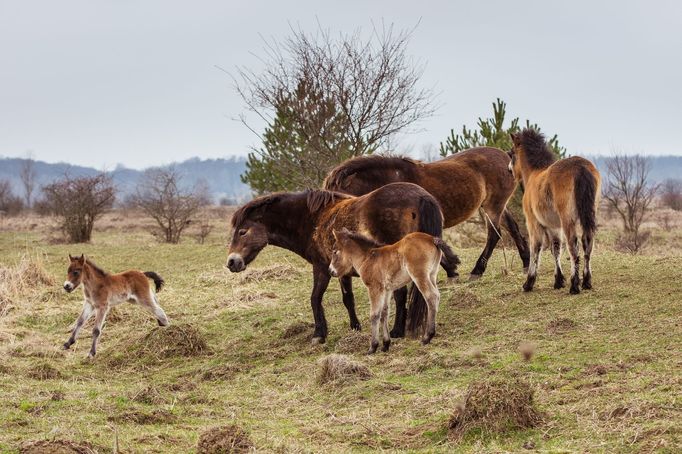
x,y
528,172
91,277
359,255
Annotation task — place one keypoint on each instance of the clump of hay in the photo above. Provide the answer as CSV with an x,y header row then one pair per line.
x,y
296,329
223,440
149,395
43,371
353,342
15,281
561,325
281,271
221,372
495,406
174,340
56,447
158,416
339,368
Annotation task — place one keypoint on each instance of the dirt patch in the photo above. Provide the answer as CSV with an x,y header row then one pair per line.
x,y
596,369
561,325
340,368
43,371
56,447
223,440
158,416
353,342
297,329
281,271
495,406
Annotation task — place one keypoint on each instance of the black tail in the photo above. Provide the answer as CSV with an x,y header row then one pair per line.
x,y
447,251
158,280
431,222
585,196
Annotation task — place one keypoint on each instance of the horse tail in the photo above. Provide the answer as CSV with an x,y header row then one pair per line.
x,y
447,251
158,280
431,222
585,187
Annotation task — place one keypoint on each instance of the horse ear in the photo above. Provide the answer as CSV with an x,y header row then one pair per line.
x,y
70,258
81,259
515,138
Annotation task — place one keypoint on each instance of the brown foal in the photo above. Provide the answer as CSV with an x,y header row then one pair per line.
x,y
383,269
103,291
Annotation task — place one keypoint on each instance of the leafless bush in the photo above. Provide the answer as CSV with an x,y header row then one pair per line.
x,y
205,229
161,196
79,202
9,202
630,194
671,193
28,178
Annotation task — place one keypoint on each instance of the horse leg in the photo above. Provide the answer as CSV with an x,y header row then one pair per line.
x,y
588,242
450,268
555,244
320,282
536,249
517,236
400,297
152,305
384,322
100,316
493,224
80,321
572,242
346,283
376,299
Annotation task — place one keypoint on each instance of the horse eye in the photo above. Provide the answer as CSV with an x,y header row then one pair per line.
x,y
76,273
242,232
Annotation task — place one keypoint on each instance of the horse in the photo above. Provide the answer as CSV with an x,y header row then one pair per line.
x,y
302,222
559,197
103,291
462,183
383,269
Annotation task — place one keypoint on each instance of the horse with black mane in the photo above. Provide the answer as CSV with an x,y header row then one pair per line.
x,y
303,222
462,183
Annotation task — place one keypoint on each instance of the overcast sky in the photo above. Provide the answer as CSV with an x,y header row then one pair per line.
x,y
134,82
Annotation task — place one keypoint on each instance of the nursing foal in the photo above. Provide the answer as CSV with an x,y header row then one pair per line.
x,y
103,291
383,269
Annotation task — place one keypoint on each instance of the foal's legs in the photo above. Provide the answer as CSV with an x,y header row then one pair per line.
x,y
376,300
425,281
346,283
384,322
555,244
536,237
152,305
519,240
84,317
588,242
400,297
100,316
572,242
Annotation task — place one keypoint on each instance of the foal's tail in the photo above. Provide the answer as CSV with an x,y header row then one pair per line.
x,y
431,222
158,280
447,251
585,188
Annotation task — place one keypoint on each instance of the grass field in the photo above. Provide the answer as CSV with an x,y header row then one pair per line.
x,y
605,366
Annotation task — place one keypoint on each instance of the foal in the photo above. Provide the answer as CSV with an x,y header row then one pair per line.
x,y
559,196
384,269
103,291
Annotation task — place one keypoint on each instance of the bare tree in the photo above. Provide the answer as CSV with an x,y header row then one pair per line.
x,y
9,202
161,196
671,193
79,202
28,177
630,194
329,97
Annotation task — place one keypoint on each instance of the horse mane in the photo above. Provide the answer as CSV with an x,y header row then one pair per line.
x,y
316,199
366,163
245,211
96,268
537,152
364,241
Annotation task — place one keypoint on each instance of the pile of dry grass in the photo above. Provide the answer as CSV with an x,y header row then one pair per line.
x,y
56,447
174,340
43,371
495,406
297,329
223,440
25,276
158,416
280,271
340,368
353,342
150,395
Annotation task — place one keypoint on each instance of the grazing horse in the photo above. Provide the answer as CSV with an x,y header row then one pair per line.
x,y
559,196
302,222
462,183
415,258
103,291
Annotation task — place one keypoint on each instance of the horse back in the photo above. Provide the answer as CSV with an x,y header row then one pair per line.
x,y
132,281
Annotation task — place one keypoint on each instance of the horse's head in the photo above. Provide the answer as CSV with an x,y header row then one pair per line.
x,y
249,234
515,163
341,264
74,274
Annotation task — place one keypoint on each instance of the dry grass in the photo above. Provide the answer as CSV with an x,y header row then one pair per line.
x,y
18,280
353,342
57,447
337,369
224,440
493,406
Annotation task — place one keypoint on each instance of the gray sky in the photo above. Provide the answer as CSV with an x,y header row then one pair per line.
x,y
122,81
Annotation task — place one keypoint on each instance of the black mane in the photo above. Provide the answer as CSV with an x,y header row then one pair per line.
x,y
245,211
370,163
537,152
317,199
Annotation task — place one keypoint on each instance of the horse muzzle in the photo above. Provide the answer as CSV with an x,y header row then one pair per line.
x,y
333,271
235,263
69,287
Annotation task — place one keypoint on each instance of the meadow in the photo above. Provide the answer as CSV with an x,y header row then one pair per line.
x,y
603,367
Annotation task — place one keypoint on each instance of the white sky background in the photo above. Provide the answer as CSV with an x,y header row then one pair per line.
x,y
121,81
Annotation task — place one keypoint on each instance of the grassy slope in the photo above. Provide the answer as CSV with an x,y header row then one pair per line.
x,y
609,383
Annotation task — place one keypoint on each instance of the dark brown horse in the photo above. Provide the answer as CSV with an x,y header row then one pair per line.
x,y
303,222
462,183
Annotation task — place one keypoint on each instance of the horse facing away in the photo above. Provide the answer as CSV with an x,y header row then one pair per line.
x,y
462,183
416,257
103,291
560,196
303,222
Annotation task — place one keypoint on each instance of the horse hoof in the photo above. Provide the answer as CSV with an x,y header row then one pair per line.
x,y
317,340
66,346
355,326
474,277
574,291
395,334
527,288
